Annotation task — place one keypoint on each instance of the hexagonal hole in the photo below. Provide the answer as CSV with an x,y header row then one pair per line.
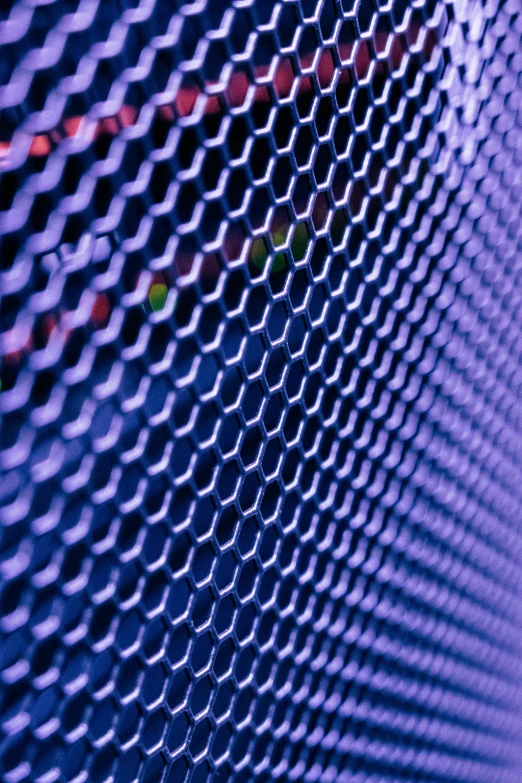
x,y
156,593
272,458
246,623
248,537
201,656
292,425
283,128
247,580
179,645
225,615
304,146
326,69
292,460
238,88
253,402
222,740
383,35
360,155
245,664
237,137
363,60
282,178
271,503
228,482
203,564
323,166
362,108
295,381
224,700
154,731
201,696
342,137
287,26
244,703
204,517
205,471
178,690
357,201
297,336
275,368
325,118
249,492
320,211
305,101
227,527
259,209
260,158
251,447
224,658
277,322
154,639
285,78
226,572
202,608
178,736
257,307
339,228
348,34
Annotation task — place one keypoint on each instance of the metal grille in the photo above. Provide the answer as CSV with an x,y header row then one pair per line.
x,y
260,407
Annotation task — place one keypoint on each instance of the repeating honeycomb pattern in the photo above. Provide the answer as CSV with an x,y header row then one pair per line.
x,y
261,391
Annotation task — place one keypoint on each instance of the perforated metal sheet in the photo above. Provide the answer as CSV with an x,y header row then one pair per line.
x,y
260,406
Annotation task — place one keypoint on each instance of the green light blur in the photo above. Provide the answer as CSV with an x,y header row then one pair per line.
x,y
259,253
158,296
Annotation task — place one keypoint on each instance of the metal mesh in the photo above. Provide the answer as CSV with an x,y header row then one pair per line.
x,y
260,407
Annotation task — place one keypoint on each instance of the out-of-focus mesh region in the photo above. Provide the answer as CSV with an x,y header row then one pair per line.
x,y
260,391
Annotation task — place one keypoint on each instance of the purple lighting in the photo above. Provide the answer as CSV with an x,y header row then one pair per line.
x,y
260,391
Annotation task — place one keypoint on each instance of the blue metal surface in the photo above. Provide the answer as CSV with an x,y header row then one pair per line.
x,y
260,402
